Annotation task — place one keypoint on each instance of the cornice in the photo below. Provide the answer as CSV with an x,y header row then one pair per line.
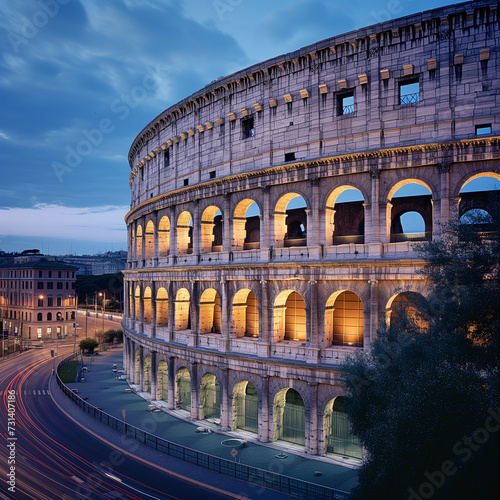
x,y
351,158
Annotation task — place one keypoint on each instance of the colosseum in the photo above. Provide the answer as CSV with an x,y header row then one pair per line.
x,y
275,214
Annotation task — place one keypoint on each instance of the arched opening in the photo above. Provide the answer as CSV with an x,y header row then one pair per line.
x,y
137,303
147,305
137,374
479,201
49,316
345,216
409,212
146,381
245,407
245,320
162,381
138,243
344,320
408,309
210,398
289,317
184,233
246,226
211,230
183,390
149,237
290,221
337,430
182,312
289,417
162,307
210,312
164,236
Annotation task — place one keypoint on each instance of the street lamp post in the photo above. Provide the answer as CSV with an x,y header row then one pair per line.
x,y
95,319
103,308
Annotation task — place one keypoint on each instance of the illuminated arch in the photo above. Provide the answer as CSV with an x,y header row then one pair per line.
x,y
344,320
149,239
210,312
162,381
290,225
164,236
245,314
138,243
184,233
183,389
182,313
147,305
246,228
338,437
345,221
161,307
245,407
146,381
289,417
289,317
211,230
408,307
137,296
210,397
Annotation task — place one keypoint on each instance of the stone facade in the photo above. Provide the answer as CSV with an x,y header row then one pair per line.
x,y
229,281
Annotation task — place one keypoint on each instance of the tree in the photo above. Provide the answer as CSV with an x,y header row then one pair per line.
x,y
88,345
424,401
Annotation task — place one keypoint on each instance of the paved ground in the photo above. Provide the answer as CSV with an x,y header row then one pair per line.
x,y
102,388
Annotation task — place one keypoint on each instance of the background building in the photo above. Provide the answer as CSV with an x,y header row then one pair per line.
x,y
275,212
37,299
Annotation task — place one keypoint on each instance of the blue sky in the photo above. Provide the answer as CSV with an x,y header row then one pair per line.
x,y
74,73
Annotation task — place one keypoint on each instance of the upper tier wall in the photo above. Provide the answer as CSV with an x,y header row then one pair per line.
x,y
296,101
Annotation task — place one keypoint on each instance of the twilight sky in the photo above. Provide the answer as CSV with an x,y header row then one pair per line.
x,y
80,72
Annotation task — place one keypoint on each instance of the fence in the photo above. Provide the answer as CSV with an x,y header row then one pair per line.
x,y
267,479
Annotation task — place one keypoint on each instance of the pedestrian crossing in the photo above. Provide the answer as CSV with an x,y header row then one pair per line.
x,y
33,392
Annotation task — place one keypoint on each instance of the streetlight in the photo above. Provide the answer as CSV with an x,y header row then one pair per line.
x,y
103,308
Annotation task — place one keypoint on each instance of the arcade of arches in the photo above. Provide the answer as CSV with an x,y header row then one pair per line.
x,y
272,415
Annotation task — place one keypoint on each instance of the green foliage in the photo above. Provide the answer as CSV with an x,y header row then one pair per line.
x,y
67,372
110,336
421,399
88,345
110,284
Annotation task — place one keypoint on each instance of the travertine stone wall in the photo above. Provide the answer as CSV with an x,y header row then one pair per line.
x,y
283,128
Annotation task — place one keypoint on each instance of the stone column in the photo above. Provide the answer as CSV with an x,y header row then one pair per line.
x,y
312,321
173,232
444,196
194,305
226,403
131,364
373,226
264,341
225,343
264,411
171,383
153,309
265,225
311,444
195,392
140,325
313,219
141,368
142,257
171,313
156,237
373,322
227,225
154,376
126,349
196,228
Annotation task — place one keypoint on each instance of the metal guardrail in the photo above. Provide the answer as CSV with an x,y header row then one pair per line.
x,y
261,477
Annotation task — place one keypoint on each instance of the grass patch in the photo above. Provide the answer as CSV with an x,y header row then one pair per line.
x,y
67,373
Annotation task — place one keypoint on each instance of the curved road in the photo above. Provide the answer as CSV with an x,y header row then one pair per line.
x,y
53,458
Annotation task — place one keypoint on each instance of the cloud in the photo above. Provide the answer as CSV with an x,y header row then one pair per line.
x,y
106,223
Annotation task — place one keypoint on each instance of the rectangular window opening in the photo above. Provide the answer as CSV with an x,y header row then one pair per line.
x,y
289,156
212,174
166,158
409,92
186,182
483,129
248,128
345,103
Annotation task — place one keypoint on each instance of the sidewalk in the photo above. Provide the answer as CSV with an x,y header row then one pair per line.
x,y
103,389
